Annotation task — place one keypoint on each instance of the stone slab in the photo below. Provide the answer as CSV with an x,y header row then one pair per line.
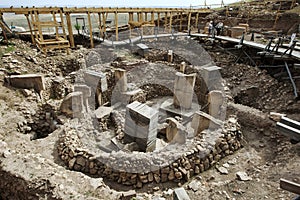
x,y
102,112
27,81
180,194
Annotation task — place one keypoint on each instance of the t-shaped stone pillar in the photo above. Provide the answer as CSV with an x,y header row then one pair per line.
x,y
216,100
141,126
121,80
86,93
184,90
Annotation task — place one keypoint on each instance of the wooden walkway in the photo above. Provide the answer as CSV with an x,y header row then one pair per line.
x,y
135,39
295,54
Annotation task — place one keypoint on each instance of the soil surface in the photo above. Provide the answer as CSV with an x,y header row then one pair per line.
x,y
32,167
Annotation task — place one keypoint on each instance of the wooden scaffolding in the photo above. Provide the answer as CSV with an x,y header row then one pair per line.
x,y
59,42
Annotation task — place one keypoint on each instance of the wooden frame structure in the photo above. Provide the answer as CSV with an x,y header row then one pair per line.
x,y
61,41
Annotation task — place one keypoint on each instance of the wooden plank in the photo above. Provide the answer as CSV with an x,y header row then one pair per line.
x,y
290,186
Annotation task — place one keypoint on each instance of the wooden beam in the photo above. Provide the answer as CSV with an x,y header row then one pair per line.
x,y
91,30
158,19
30,29
117,26
290,186
70,30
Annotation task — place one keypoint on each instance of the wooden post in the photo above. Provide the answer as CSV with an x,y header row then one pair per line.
x,y
33,24
30,28
171,22
100,24
56,26
116,24
197,19
166,20
158,19
152,17
130,16
180,22
62,24
91,30
189,21
70,30
104,22
39,26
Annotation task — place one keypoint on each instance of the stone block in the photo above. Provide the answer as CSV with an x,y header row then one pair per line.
x,y
143,49
86,90
121,80
72,104
216,100
182,67
246,26
94,79
180,194
211,76
172,129
237,31
170,56
27,81
128,195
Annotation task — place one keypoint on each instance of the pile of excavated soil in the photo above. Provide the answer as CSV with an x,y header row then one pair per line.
x,y
254,87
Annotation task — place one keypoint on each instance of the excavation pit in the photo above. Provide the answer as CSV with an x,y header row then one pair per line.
x,y
151,137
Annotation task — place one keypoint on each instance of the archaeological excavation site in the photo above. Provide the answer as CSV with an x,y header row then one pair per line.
x,y
155,103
